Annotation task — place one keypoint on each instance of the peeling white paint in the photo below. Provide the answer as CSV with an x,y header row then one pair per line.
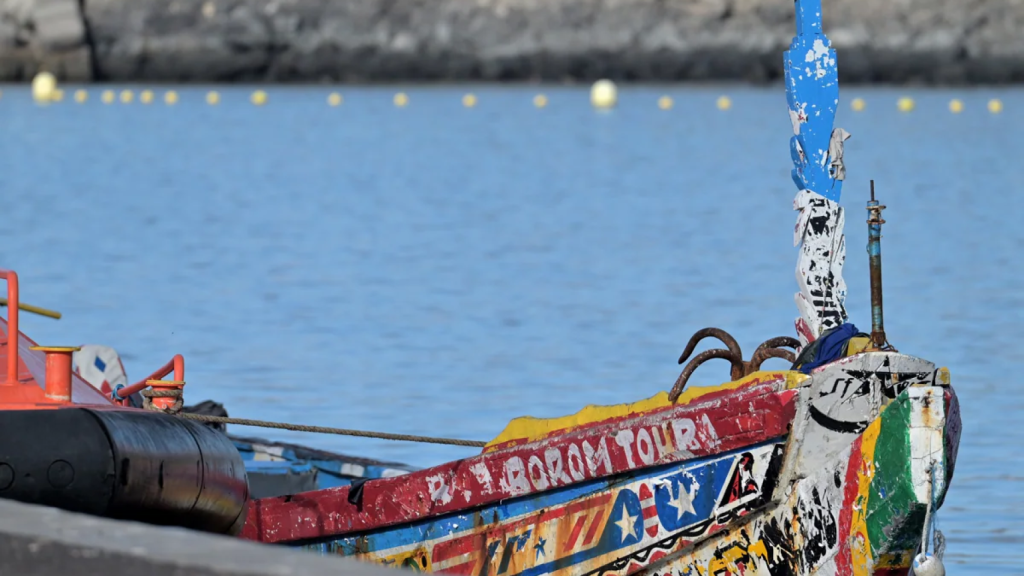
x,y
439,490
483,477
819,271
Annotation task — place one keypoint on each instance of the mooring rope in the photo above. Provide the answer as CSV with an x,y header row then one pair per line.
x,y
176,411
326,430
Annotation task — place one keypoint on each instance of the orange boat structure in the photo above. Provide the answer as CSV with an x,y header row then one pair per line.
x,y
68,445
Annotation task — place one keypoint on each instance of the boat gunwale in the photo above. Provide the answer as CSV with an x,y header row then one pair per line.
x,y
400,500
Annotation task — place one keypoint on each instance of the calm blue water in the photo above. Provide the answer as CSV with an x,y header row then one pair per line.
x,y
440,270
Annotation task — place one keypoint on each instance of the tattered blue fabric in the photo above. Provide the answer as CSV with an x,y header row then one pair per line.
x,y
828,347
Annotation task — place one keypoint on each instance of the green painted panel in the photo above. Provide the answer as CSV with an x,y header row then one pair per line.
x,y
894,520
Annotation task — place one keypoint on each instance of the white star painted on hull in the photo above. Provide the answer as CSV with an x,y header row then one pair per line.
x,y
627,524
683,502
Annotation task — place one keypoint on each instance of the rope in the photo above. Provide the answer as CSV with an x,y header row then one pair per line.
x,y
175,410
149,394
326,430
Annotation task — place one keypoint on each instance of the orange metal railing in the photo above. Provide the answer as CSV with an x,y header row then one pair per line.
x,y
176,365
12,325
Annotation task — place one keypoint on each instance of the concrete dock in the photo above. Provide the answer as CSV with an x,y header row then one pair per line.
x,y
41,541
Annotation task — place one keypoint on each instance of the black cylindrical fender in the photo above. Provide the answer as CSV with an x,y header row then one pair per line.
x,y
127,464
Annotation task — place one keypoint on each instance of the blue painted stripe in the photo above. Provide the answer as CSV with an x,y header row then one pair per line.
x,y
714,468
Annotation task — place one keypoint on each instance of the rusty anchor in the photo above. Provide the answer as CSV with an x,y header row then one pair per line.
x,y
771,348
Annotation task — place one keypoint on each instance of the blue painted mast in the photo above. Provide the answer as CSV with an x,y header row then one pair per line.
x,y
812,92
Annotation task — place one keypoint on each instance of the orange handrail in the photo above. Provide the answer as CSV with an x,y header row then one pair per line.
x,y
176,365
12,325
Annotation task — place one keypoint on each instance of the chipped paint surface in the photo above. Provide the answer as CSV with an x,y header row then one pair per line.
x,y
528,429
850,506
819,270
815,475
660,437
812,92
618,524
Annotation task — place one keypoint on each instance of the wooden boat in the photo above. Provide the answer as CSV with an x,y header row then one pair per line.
x,y
834,467
774,473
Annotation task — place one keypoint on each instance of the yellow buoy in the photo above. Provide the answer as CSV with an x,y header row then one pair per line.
x,y
334,99
540,100
665,103
259,98
469,100
858,104
43,86
905,104
956,106
724,103
58,95
107,97
401,99
604,94
212,98
171,98
146,96
127,96
81,96
995,106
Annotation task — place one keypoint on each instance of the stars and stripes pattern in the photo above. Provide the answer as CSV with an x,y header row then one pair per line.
x,y
567,531
649,509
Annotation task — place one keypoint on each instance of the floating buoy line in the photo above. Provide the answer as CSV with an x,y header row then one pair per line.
x,y
604,95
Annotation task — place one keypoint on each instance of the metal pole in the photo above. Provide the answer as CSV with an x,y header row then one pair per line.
x,y
875,263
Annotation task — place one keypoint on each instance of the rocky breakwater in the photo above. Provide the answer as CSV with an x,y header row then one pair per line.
x,y
905,41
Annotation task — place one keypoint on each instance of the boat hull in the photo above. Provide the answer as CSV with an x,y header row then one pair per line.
x,y
839,480
861,512
585,527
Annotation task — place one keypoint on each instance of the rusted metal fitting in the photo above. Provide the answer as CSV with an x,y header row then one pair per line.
x,y
58,371
163,396
771,348
878,339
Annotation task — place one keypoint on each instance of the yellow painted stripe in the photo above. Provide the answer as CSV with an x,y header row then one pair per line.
x,y
860,549
529,429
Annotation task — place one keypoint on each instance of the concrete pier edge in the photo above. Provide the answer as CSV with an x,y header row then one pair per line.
x,y
42,541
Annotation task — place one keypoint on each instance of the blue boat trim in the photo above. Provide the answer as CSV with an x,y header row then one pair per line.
x,y
267,458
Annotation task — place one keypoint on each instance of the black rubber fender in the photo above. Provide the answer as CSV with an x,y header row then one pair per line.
x,y
127,464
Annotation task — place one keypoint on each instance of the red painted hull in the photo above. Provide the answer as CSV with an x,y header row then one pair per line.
x,y
674,434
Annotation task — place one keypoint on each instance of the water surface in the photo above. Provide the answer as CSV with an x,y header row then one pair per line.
x,y
440,270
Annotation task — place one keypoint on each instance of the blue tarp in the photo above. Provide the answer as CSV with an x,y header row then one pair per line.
x,y
828,347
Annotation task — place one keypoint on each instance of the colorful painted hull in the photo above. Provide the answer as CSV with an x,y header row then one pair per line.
x,y
778,473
